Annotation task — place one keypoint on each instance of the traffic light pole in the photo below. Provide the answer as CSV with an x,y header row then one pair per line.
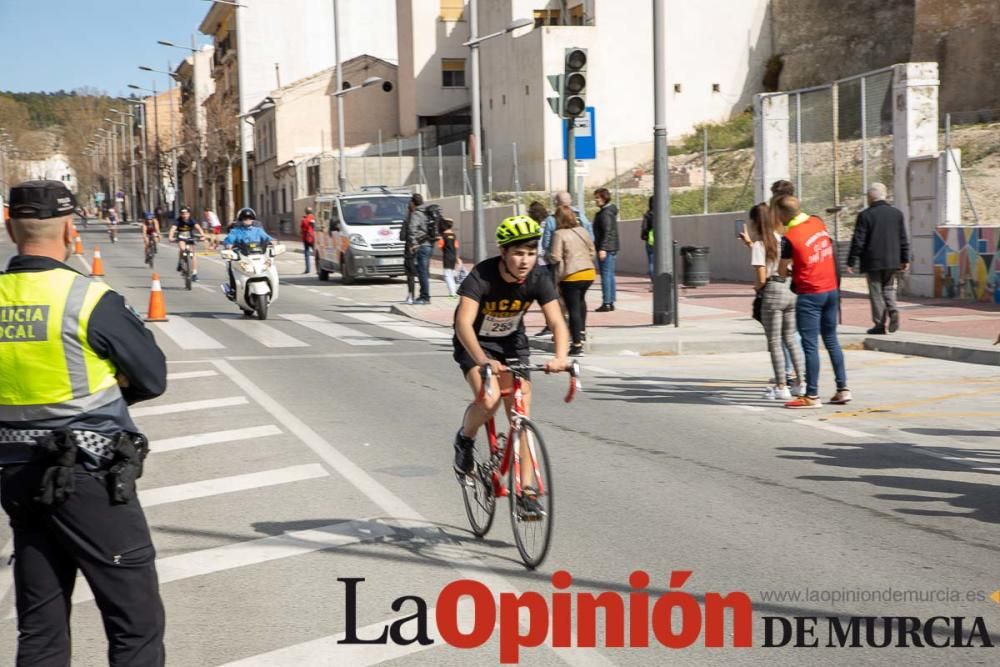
x,y
571,157
664,284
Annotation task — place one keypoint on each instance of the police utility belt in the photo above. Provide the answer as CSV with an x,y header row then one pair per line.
x,y
58,451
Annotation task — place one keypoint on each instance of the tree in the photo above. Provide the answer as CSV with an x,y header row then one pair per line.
x,y
222,146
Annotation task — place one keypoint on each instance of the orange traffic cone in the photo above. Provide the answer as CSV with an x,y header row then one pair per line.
x,y
78,247
157,307
97,269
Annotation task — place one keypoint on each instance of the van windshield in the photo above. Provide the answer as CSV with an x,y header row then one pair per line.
x,y
364,210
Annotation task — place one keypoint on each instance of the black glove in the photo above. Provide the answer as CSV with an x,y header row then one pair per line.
x,y
57,481
126,467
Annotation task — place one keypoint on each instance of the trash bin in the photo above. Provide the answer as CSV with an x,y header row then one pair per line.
x,y
694,260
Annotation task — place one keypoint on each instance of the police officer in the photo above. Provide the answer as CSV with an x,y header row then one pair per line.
x,y
74,357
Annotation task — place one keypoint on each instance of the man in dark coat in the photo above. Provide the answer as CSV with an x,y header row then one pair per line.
x,y
881,244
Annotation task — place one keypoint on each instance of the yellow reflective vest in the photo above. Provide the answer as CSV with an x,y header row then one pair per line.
x,y
47,367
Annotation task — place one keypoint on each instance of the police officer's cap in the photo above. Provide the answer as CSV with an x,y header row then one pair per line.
x,y
41,200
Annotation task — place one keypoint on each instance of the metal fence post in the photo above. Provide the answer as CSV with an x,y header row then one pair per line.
x,y
421,178
704,168
489,172
864,136
381,180
618,198
517,181
466,189
835,104
399,155
440,171
950,157
798,145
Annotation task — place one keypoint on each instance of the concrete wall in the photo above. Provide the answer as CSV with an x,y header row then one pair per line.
x,y
423,40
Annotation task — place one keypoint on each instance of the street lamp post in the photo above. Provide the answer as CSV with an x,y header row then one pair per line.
x,y
341,160
173,134
664,282
195,126
156,129
342,178
479,222
136,105
131,159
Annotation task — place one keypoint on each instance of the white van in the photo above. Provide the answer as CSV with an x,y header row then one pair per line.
x,y
357,234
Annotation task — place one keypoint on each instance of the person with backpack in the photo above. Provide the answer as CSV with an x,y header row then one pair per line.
x,y
421,233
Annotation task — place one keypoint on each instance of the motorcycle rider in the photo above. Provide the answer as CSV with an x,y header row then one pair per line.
x,y
242,234
190,228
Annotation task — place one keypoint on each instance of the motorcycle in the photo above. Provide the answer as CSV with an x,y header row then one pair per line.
x,y
255,275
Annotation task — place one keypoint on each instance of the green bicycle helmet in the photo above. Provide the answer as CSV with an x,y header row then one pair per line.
x,y
517,229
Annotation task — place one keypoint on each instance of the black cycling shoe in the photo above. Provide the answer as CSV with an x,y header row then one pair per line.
x,y
528,507
465,460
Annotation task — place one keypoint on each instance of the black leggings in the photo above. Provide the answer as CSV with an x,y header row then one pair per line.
x,y
574,293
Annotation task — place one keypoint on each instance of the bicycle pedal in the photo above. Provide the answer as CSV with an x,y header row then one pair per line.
x,y
465,480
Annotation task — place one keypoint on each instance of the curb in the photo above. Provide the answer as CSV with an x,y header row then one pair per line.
x,y
935,350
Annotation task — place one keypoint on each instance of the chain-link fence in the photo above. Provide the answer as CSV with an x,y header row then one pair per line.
x,y
840,138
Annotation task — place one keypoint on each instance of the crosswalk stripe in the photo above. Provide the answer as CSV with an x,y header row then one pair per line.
x,y
199,439
264,334
328,651
333,330
187,406
221,485
405,327
187,336
253,552
191,374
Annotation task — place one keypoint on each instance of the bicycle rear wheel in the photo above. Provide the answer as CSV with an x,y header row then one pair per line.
x,y
477,491
532,533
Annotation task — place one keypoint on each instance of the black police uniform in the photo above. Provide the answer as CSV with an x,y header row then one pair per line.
x,y
69,491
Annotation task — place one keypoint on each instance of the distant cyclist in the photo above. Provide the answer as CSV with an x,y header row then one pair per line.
x,y
243,235
113,224
489,329
184,230
150,230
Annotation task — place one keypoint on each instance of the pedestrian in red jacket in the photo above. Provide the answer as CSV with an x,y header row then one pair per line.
x,y
307,230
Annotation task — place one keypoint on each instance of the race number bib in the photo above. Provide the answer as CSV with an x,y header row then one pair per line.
x,y
499,326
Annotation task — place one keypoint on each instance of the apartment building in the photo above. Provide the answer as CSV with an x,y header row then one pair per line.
x,y
295,133
194,78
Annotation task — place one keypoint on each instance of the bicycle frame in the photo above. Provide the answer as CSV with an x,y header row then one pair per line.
x,y
510,455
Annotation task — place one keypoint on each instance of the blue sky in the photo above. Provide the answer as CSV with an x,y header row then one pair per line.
x,y
48,45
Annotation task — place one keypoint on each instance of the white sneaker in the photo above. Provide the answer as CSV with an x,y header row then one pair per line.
x,y
800,389
770,393
782,394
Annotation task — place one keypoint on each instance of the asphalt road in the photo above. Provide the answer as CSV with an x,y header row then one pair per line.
x,y
317,446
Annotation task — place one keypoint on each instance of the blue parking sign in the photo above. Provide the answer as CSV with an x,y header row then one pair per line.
x,y
586,136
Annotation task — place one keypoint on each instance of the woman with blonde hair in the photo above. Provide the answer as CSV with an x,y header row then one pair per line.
x,y
778,301
572,255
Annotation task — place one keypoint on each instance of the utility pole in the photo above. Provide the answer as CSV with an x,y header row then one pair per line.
x,y
479,222
341,160
664,282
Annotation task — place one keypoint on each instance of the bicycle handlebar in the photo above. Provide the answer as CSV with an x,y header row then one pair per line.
x,y
486,374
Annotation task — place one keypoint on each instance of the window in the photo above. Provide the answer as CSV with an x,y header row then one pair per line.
x,y
546,17
312,179
577,15
677,87
452,10
716,88
284,200
527,90
453,72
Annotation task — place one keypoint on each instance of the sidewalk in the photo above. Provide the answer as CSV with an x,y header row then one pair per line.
x,y
716,319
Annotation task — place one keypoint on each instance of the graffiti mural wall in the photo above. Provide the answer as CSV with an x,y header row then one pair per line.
x,y
967,263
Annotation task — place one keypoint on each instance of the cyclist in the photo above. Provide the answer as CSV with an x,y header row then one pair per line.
x,y
150,230
113,224
489,330
183,229
243,234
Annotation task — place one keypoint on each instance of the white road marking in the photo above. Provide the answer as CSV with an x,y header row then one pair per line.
x,y
191,374
265,334
467,564
214,487
187,406
253,552
330,355
405,327
599,369
199,439
840,430
327,652
203,287
337,331
187,336
85,263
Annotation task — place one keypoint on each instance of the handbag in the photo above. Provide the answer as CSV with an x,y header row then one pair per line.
x,y
758,304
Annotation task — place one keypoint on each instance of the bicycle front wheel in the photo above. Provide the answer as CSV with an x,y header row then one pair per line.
x,y
532,529
477,491
187,272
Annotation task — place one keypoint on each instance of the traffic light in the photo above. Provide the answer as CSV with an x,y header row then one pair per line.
x,y
574,83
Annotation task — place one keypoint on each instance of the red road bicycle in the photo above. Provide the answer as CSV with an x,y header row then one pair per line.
x,y
520,457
